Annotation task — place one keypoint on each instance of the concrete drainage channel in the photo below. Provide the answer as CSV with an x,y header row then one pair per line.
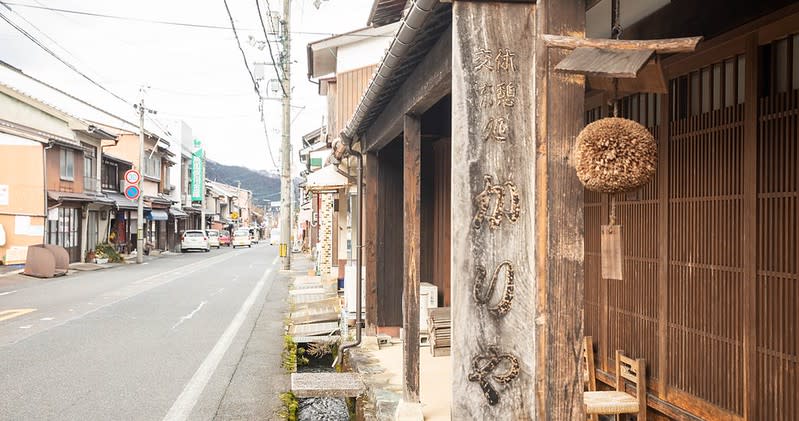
x,y
311,342
325,408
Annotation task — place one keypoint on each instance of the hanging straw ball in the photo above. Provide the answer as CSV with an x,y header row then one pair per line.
x,y
615,155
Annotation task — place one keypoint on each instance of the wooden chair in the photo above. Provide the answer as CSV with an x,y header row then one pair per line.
x,y
589,373
619,402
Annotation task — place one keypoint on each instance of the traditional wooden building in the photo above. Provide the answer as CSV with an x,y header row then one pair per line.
x,y
710,257
71,150
343,64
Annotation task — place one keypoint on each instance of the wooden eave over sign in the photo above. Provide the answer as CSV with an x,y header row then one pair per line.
x,y
619,65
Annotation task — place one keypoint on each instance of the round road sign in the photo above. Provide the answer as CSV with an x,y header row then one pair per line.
x,y
132,192
132,177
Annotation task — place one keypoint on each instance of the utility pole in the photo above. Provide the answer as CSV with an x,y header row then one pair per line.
x,y
140,212
285,176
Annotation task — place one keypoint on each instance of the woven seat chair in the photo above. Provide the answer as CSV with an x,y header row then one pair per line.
x,y
617,402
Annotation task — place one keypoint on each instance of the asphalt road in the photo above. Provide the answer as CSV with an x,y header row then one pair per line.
x,y
159,341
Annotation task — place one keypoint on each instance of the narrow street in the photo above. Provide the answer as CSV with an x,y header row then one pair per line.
x,y
156,341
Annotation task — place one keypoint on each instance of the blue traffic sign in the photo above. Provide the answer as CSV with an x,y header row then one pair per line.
x,y
132,192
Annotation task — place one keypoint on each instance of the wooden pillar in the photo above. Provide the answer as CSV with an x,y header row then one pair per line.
x,y
370,237
663,244
750,228
517,240
412,174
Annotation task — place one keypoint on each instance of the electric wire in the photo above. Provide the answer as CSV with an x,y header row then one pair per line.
x,y
243,56
254,82
180,24
269,44
57,57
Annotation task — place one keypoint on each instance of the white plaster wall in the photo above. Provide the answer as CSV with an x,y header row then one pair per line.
x,y
181,135
361,54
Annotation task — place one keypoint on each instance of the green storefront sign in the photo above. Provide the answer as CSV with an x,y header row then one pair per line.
x,y
197,172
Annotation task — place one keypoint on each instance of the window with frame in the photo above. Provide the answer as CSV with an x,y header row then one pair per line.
x,y
67,164
152,166
110,175
89,168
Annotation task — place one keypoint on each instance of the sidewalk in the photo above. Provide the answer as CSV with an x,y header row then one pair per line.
x,y
259,379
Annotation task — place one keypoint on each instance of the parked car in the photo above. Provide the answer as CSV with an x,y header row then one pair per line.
x,y
241,238
274,236
213,238
194,240
224,238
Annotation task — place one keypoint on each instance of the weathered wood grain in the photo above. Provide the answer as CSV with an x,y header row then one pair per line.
x,y
371,240
412,173
605,63
541,239
749,236
559,221
668,45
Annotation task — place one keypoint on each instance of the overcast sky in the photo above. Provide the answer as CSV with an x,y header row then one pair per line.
x,y
194,74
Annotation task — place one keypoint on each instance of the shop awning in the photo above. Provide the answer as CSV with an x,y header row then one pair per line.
x,y
122,202
158,202
177,213
326,179
156,215
60,196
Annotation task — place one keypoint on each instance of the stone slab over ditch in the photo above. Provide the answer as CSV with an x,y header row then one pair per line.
x,y
332,385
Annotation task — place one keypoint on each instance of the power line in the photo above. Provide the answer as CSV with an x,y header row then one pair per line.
x,y
268,143
52,53
269,44
243,56
254,82
176,23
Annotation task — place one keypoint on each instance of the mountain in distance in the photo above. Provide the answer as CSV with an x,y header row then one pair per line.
x,y
265,186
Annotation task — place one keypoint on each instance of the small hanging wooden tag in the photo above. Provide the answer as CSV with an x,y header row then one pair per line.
x,y
610,242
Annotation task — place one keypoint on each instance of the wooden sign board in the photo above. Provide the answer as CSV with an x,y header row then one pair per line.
x,y
493,197
605,63
612,258
650,80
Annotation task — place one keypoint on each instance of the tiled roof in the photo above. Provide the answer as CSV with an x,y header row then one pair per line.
x,y
394,69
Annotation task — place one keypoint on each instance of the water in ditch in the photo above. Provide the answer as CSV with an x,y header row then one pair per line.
x,y
321,409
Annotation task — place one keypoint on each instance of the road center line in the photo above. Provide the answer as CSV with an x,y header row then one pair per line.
x,y
190,315
7,292
135,288
185,403
15,312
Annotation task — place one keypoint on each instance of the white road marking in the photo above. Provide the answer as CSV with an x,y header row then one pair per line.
x,y
132,291
185,403
8,292
190,315
47,319
26,327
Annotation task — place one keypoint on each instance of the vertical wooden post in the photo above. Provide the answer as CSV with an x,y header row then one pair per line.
x,y
370,237
559,220
663,243
517,240
412,175
750,228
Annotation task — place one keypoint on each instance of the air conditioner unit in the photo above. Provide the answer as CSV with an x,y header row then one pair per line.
x,y
428,298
